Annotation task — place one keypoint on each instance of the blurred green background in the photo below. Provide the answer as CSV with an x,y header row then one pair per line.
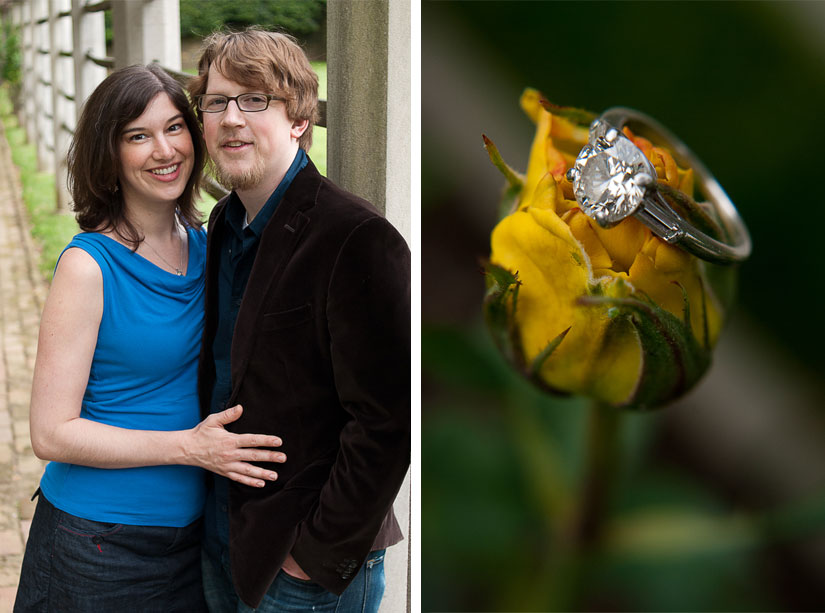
x,y
718,501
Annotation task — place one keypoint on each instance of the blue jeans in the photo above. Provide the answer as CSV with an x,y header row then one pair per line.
x,y
288,594
78,565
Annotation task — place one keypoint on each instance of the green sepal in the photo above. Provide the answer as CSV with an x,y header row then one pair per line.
x,y
499,309
515,180
500,305
541,358
533,372
686,312
672,359
579,117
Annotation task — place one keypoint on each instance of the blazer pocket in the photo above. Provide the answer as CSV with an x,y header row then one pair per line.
x,y
287,319
311,477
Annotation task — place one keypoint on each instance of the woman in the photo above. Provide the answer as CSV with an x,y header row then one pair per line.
x,y
114,402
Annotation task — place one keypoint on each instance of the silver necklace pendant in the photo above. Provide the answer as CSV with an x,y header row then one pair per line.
x,y
178,270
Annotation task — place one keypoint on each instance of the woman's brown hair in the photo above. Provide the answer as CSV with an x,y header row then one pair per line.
x,y
94,155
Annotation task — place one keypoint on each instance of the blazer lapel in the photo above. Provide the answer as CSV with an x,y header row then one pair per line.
x,y
206,368
280,237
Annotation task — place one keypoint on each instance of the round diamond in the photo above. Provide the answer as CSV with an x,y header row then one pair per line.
x,y
610,175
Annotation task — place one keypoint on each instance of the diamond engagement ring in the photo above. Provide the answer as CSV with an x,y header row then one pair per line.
x,y
613,179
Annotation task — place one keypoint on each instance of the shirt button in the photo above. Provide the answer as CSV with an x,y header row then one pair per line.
x,y
223,508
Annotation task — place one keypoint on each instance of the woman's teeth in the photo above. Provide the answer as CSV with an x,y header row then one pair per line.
x,y
165,171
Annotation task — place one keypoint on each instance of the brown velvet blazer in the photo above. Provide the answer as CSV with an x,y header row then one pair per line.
x,y
320,357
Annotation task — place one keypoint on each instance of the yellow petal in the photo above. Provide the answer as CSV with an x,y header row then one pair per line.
x,y
582,228
553,271
614,373
552,223
543,196
669,258
531,103
544,156
567,192
537,167
665,167
686,182
568,138
556,162
661,271
623,241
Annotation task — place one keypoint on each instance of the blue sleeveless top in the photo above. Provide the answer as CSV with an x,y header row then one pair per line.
x,y
143,377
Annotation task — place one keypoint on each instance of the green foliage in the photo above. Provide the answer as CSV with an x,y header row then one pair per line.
x,y
51,229
298,17
107,21
10,55
502,466
318,151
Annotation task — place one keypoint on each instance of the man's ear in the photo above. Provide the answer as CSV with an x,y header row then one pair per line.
x,y
298,128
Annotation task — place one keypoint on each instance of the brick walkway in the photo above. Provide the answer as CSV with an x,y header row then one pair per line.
x,y
22,292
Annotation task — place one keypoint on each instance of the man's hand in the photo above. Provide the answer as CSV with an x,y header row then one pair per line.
x,y
291,568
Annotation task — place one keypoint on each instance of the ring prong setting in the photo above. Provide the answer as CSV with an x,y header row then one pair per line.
x,y
601,218
611,175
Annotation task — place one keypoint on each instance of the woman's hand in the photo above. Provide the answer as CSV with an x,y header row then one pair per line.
x,y
210,446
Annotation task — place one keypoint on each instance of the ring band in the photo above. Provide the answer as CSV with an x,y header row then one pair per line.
x,y
613,179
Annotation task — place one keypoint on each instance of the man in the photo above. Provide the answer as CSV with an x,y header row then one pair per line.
x,y
308,328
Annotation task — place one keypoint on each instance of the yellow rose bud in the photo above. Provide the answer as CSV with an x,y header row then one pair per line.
x,y
615,314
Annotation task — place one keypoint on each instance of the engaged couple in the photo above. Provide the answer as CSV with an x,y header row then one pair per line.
x,y
226,409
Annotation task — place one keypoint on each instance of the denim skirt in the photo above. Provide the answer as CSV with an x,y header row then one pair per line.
x,y
77,565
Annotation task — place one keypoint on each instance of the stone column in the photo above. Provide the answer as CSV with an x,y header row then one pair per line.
x,y
368,107
145,32
399,97
368,154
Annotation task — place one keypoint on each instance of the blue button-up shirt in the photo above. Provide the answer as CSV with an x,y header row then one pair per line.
x,y
237,251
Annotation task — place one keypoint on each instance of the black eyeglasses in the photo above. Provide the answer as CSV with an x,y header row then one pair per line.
x,y
249,103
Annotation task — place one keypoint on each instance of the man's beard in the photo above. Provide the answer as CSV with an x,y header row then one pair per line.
x,y
239,181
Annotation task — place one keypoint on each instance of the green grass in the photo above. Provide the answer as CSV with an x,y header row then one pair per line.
x,y
51,229
320,69
205,205
318,151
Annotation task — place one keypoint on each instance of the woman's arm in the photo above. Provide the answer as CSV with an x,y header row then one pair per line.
x,y
68,336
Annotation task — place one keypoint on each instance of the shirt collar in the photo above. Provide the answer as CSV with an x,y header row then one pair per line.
x,y
236,213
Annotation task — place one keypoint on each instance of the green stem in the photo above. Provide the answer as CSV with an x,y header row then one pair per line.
x,y
554,498
574,518
582,533
600,468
